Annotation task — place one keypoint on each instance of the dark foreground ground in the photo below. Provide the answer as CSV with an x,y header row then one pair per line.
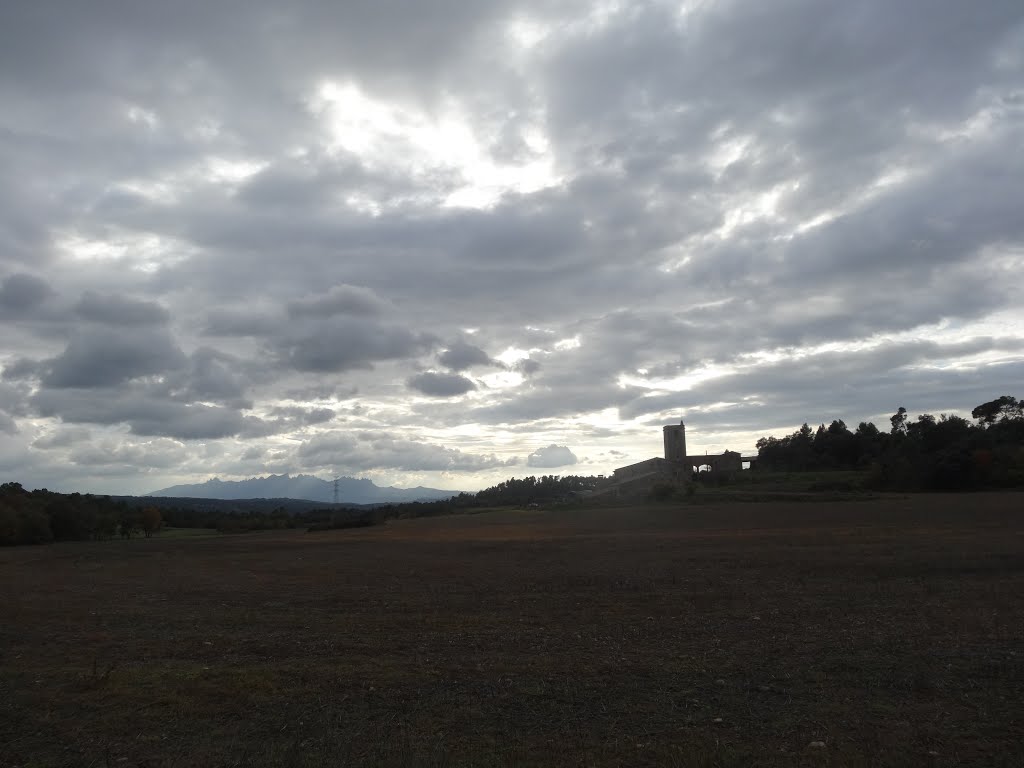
x,y
885,632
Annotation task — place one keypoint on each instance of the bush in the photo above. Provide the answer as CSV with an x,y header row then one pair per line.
x,y
662,492
952,470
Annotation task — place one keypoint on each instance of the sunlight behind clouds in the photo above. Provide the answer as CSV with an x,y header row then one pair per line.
x,y
502,379
220,169
526,33
410,141
140,252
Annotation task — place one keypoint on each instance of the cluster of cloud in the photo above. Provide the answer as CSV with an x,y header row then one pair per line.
x,y
551,457
237,238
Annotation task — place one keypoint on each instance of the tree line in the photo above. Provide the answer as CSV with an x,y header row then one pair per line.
x,y
947,452
42,516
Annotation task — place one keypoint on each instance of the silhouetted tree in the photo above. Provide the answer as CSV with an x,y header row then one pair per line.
x,y
151,521
945,452
899,422
127,524
1001,409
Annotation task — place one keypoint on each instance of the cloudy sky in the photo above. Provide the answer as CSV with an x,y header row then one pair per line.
x,y
447,243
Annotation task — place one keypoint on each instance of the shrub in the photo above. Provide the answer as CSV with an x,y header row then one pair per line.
x,y
662,492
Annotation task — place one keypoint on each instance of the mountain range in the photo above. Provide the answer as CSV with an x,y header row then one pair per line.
x,y
351,490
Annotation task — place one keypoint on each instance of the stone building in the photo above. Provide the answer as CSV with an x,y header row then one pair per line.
x,y
676,467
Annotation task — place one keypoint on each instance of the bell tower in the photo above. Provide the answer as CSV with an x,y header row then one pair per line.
x,y
675,443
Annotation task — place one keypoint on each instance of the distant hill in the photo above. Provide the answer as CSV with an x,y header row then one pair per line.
x,y
351,490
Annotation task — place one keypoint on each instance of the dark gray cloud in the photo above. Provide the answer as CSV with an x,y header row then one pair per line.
x,y
20,293
461,356
291,419
299,187
340,300
241,322
120,311
551,457
100,358
63,437
252,453
441,384
342,344
7,424
144,414
366,451
22,368
14,398
210,376
527,366
239,226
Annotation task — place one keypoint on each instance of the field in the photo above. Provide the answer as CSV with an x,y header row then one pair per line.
x,y
884,632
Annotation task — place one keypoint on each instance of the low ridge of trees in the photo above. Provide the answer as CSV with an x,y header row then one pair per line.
x,y
514,492
536,490
946,452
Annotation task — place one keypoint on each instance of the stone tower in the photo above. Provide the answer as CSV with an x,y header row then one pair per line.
x,y
675,443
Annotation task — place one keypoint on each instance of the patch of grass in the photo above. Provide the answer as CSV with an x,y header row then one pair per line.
x,y
798,487
186,533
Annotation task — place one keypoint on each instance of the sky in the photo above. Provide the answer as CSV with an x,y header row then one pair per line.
x,y
447,243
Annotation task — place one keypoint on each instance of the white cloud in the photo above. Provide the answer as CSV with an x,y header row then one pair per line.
x,y
550,457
